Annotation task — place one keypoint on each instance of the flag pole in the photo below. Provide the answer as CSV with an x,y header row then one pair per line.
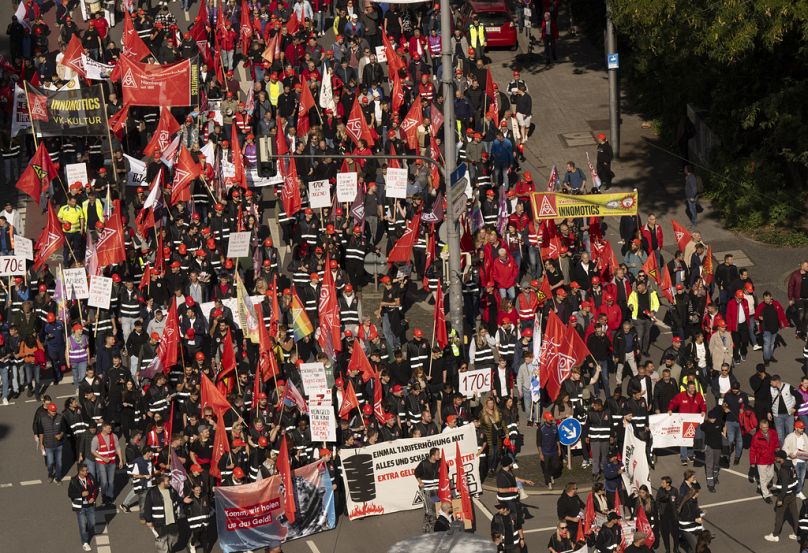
x,y
109,136
30,115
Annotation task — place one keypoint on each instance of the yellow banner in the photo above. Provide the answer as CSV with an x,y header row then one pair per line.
x,y
551,205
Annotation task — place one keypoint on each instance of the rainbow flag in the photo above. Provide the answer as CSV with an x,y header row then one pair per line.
x,y
301,324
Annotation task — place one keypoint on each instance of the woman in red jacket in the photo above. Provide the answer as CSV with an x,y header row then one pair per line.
x,y
504,273
761,455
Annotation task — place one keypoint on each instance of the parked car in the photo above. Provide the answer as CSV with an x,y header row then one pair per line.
x,y
500,31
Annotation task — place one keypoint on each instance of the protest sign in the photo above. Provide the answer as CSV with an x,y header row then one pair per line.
x,y
346,187
395,183
23,247
11,265
238,245
674,430
314,380
322,422
76,283
100,292
319,194
475,382
76,172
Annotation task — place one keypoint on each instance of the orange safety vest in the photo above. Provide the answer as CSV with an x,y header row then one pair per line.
x,y
106,450
527,310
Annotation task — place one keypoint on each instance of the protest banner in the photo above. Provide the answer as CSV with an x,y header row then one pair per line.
x,y
100,292
146,84
96,70
319,194
76,283
322,421
251,516
12,265
379,478
674,430
238,245
475,383
20,118
76,172
314,380
635,462
395,183
230,303
137,171
68,112
346,187
255,180
23,247
552,205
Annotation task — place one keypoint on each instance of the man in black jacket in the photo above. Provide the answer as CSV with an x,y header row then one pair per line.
x,y
161,513
505,530
82,492
426,473
785,493
666,500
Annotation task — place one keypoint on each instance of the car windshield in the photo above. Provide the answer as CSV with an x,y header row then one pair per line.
x,y
493,19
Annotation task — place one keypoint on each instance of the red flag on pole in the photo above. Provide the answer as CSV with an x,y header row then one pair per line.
x,y
38,175
306,104
145,280
110,248
589,514
397,92
359,362
644,526
228,361
707,268
240,177
167,127
72,56
221,445
49,240
185,171
666,286
290,192
409,125
357,127
378,408
554,362
444,489
281,145
545,291
293,24
394,62
349,401
489,84
575,347
210,396
441,336
246,29
132,46
462,486
682,236
117,123
330,337
285,470
651,268
401,252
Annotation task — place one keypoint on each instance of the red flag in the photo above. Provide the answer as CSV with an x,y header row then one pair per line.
x,y
50,239
618,507
167,127
489,84
228,360
409,126
132,46
306,104
462,486
145,219
290,192
185,171
285,470
246,29
394,62
493,113
359,362
293,24
274,317
291,392
444,490
401,252
378,408
221,445
38,175
210,396
220,18
575,347
644,526
357,127
257,381
707,268
441,336
552,250
110,248
437,120
589,514
264,345
281,145
553,181
545,291
349,401
397,92
72,56
651,268
681,234
330,337
145,280
240,177
666,286
117,122
554,362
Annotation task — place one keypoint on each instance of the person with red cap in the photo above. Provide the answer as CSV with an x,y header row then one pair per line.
x,y
738,320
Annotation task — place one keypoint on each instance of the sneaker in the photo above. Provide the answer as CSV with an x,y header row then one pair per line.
x,y
50,478
711,488
792,537
29,391
86,547
57,481
768,500
771,537
5,401
735,462
515,466
550,486
684,463
124,509
757,348
530,423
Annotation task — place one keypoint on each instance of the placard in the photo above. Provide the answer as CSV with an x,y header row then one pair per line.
x,y
23,247
314,380
100,292
238,245
75,281
381,54
12,265
319,194
76,172
475,383
674,430
395,183
322,422
346,187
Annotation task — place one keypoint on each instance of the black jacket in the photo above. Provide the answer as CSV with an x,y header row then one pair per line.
x,y
154,510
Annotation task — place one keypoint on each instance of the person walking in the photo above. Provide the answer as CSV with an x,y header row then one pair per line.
x,y
107,455
549,36
667,500
689,401
505,530
83,492
796,446
798,297
643,304
770,318
691,195
549,449
761,455
785,492
426,473
713,429
161,513
51,438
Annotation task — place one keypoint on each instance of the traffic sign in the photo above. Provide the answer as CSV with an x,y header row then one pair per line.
x,y
613,61
569,431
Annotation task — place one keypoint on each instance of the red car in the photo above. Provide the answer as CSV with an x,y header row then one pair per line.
x,y
500,31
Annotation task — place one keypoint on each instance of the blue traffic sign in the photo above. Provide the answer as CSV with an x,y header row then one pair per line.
x,y
569,431
613,61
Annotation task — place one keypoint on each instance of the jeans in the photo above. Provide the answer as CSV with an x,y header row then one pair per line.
x,y
507,292
784,424
769,338
643,327
604,377
531,410
127,326
691,206
227,60
166,542
534,256
393,343
53,458
86,519
4,375
106,480
800,468
79,370
685,453
734,436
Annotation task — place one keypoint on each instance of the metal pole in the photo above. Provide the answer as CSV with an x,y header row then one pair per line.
x,y
450,159
614,100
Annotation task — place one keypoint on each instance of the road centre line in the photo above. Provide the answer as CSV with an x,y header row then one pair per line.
x,y
483,509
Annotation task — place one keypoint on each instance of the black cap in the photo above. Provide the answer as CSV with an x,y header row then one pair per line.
x,y
499,506
780,454
613,516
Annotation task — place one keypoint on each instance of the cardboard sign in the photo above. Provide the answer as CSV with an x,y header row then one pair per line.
x,y
346,187
76,172
23,247
322,422
381,54
475,383
314,380
238,245
395,183
100,292
75,281
319,194
12,265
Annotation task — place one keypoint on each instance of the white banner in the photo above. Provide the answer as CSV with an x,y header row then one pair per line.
x,y
20,118
322,422
255,180
395,183
230,303
675,430
346,187
635,461
475,382
23,247
314,381
238,245
137,171
100,292
319,194
76,172
379,479
12,265
76,283
95,70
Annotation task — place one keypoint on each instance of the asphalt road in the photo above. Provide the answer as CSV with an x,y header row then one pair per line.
x,y
569,98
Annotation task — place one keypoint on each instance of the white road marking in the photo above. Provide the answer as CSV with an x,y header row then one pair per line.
x,y
102,540
313,547
64,396
30,400
535,530
736,473
483,508
186,17
7,485
30,482
730,502
9,403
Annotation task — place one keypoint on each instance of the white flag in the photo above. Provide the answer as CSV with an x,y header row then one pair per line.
x,y
155,189
327,94
137,171
635,462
